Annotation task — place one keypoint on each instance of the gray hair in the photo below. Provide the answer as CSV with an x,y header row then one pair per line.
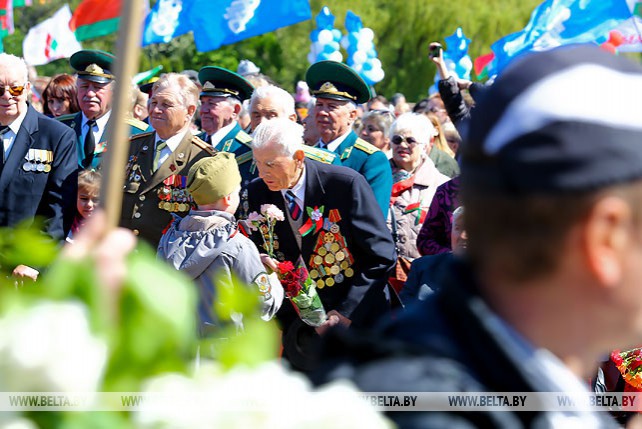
x,y
458,212
279,96
188,91
417,124
15,63
282,132
382,118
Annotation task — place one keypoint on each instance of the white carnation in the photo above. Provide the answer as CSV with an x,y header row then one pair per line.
x,y
49,347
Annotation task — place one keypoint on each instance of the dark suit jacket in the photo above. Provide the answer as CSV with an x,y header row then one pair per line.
x,y
361,297
50,195
140,211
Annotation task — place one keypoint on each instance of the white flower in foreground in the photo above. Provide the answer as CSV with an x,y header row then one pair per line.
x,y
49,347
18,423
272,212
265,397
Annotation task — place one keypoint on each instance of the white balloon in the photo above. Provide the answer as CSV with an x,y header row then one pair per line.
x,y
312,57
317,47
325,36
359,57
336,56
345,42
376,63
367,34
377,75
365,45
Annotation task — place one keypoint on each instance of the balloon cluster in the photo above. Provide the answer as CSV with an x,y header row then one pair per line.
x,y
325,39
362,56
615,40
456,57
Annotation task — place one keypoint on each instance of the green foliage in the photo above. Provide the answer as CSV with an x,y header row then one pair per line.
x,y
25,245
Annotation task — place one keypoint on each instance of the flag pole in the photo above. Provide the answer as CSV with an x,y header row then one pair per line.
x,y
127,58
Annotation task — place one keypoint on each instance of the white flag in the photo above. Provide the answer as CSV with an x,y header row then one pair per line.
x,y
50,40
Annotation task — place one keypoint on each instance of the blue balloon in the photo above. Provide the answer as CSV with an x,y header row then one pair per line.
x,y
353,38
353,22
323,56
314,35
336,34
457,44
367,66
372,53
325,20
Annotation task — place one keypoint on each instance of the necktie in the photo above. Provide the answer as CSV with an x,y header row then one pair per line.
x,y
160,146
3,130
90,144
293,207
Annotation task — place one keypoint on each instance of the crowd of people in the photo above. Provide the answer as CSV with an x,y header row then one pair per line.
x,y
228,175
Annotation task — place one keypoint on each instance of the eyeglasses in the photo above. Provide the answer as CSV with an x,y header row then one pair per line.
x,y
397,139
381,112
13,90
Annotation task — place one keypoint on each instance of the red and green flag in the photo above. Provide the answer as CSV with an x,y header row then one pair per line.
x,y
6,18
95,18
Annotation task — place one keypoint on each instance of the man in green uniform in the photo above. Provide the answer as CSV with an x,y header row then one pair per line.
x,y
338,89
95,87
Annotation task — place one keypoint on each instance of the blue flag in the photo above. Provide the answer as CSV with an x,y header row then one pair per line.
x,y
561,22
220,22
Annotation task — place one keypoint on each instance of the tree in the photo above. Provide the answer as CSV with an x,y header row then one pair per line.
x,y
402,30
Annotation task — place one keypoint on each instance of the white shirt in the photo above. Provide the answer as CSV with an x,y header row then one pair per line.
x,y
172,144
218,136
298,190
334,144
98,129
10,136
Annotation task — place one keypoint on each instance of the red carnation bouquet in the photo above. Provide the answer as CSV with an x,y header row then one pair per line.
x,y
301,290
629,363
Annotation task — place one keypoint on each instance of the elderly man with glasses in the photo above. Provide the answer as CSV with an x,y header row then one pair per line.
x,y
38,161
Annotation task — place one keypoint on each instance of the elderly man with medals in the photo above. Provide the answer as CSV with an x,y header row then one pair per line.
x,y
333,224
156,171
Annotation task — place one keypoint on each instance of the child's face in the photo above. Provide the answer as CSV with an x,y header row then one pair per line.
x,y
87,201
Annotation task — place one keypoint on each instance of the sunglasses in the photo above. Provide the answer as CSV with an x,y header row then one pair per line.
x,y
397,139
14,91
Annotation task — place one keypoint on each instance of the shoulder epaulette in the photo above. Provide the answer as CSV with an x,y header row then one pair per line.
x,y
137,136
319,154
137,124
203,145
67,117
247,156
244,138
365,146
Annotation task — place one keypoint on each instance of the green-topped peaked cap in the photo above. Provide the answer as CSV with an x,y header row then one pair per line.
x,y
220,82
93,65
331,79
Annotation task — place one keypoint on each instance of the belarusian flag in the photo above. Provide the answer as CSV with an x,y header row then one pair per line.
x,y
95,18
6,17
50,40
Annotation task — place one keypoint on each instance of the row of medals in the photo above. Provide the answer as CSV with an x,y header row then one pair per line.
x,y
173,196
331,258
38,160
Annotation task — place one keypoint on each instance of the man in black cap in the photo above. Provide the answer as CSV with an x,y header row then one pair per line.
x,y
338,89
552,185
95,88
222,93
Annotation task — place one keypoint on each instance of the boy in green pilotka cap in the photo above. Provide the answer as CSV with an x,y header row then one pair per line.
x,y
207,244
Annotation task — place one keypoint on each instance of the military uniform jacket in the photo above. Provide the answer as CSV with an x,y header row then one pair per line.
x,y
239,143
373,164
39,177
349,256
151,197
75,121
